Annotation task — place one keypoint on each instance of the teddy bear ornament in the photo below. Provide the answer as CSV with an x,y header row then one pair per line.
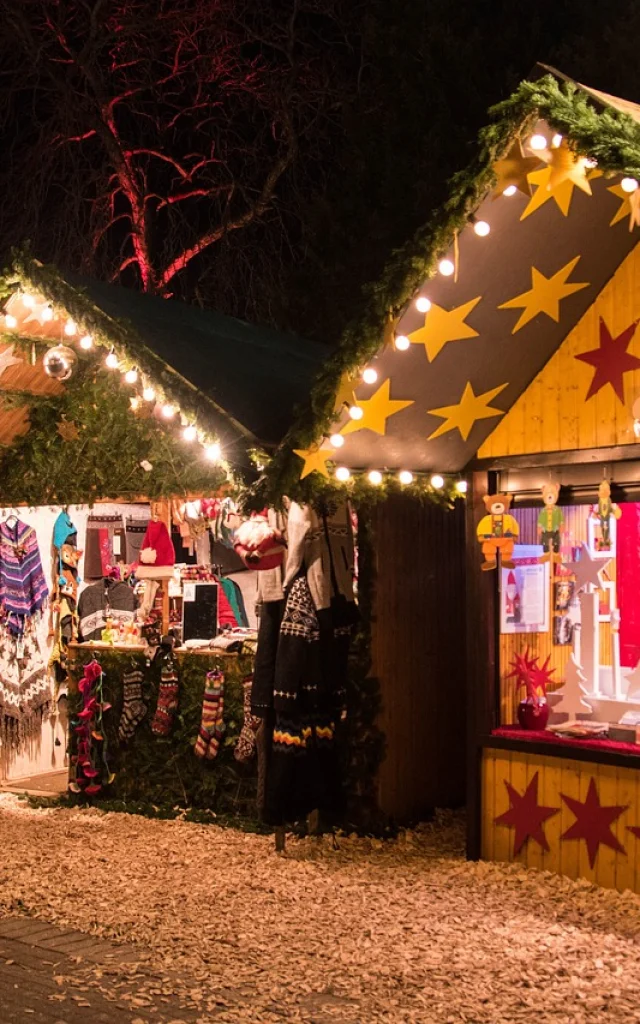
x,y
497,532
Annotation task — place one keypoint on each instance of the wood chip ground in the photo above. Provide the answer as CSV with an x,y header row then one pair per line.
x,y
403,931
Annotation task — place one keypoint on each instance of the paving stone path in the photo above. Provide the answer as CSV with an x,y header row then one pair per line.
x,y
36,961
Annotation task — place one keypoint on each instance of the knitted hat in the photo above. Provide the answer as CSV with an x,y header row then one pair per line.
x,y
63,531
157,548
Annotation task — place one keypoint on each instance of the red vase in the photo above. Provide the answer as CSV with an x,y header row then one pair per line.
x,y
533,715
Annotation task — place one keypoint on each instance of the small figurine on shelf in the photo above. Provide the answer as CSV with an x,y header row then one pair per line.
x,y
550,523
603,512
109,634
497,531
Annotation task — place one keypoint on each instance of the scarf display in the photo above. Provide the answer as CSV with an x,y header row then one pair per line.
x,y
25,690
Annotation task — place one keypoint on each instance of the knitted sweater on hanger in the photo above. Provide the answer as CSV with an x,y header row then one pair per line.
x,y
103,600
308,546
23,588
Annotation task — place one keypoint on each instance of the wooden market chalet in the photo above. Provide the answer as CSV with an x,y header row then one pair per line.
x,y
500,359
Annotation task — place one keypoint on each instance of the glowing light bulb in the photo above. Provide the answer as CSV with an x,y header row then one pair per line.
x,y
190,433
86,342
538,142
131,376
28,301
168,411
437,481
47,313
462,486
343,474
375,477
70,328
148,394
556,140
370,375
336,440
10,321
423,304
481,228
446,268
405,477
134,403
356,412
112,361
510,190
213,451
628,184
402,343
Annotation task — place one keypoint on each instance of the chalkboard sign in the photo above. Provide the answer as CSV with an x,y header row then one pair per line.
x,y
199,611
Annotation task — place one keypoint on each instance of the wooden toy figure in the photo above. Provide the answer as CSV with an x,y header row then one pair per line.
x,y
550,523
497,531
603,512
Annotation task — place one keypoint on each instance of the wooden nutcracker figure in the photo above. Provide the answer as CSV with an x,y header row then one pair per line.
x,y
550,523
603,512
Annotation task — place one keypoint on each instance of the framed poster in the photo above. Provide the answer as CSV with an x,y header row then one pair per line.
x,y
524,592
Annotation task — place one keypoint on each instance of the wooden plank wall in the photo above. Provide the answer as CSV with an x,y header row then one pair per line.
x,y
552,414
419,654
541,644
556,775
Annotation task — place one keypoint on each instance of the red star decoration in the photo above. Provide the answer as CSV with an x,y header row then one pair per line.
x,y
526,815
593,822
611,360
634,830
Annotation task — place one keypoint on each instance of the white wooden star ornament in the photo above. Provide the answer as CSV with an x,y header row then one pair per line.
x,y
587,570
8,359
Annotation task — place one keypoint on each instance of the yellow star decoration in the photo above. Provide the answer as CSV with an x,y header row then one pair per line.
x,y
315,460
629,206
463,416
513,169
564,172
377,411
442,325
545,295
345,393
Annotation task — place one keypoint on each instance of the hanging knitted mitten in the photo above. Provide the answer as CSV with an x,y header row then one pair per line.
x,y
212,725
167,699
133,709
246,745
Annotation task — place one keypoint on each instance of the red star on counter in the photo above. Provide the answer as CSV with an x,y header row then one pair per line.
x,y
593,822
526,815
611,360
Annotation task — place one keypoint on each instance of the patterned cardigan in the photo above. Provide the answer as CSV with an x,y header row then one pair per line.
x,y
23,588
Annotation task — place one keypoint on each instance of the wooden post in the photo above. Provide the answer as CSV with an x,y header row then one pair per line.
x,y
482,655
281,838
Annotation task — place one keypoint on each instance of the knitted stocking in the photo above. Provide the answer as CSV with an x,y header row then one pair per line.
x,y
167,700
246,745
133,709
212,725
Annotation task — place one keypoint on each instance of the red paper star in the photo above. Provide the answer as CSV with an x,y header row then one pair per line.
x,y
611,360
593,822
526,815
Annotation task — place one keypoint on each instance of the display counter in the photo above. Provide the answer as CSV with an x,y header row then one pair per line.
x,y
164,771
565,805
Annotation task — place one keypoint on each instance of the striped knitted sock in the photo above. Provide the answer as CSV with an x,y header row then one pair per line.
x,y
167,701
212,724
133,709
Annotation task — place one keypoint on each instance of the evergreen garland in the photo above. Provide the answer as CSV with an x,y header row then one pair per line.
x,y
612,138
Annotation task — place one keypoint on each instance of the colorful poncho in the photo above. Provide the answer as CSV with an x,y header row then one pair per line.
x,y
23,588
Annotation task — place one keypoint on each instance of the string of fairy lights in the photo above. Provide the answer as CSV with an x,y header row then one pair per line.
x,y
542,149
34,308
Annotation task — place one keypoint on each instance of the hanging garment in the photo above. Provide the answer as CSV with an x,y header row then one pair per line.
x,y
104,544
135,528
107,599
231,591
303,770
323,545
23,588
25,690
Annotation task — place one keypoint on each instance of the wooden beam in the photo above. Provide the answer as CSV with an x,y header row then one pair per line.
x,y
536,460
482,655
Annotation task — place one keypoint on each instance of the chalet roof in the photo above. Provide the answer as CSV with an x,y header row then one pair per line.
x,y
482,342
